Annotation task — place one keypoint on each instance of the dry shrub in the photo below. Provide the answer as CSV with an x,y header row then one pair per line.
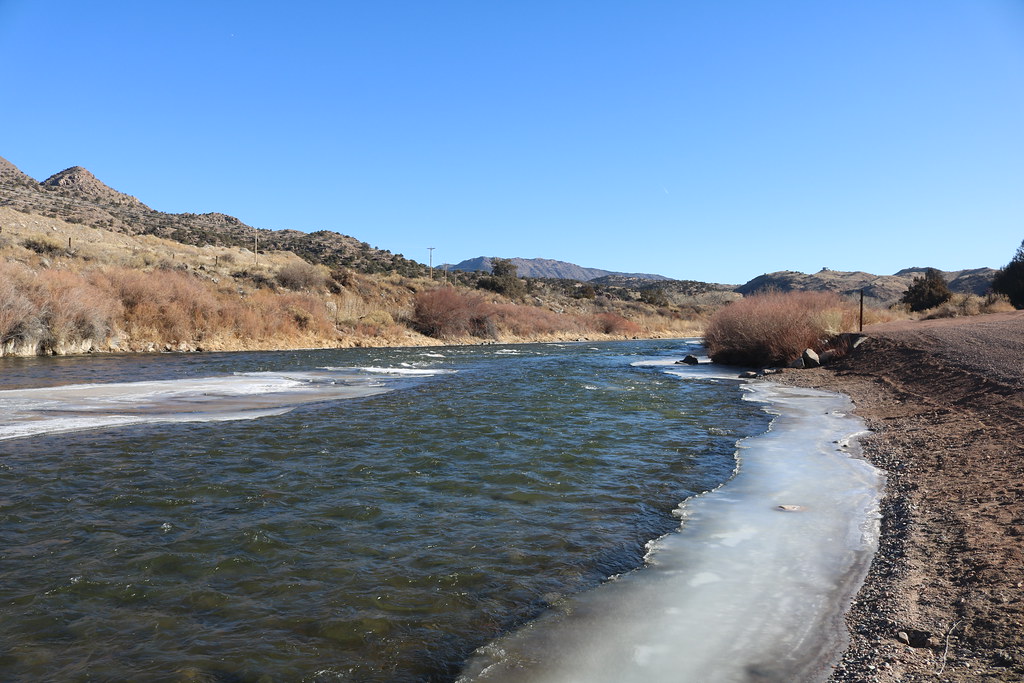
x,y
959,305
613,323
445,313
52,307
997,303
530,321
301,275
265,316
18,314
163,305
75,309
774,328
448,313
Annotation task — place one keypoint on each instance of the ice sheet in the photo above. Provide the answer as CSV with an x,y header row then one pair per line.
x,y
745,590
241,396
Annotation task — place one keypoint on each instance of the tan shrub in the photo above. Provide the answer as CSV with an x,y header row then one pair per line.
x,y
446,313
18,314
774,328
300,275
613,323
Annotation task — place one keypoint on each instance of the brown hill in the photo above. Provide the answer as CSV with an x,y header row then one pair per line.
x,y
885,289
77,196
12,175
79,182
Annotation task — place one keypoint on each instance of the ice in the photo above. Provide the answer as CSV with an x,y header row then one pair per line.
x,y
241,396
744,590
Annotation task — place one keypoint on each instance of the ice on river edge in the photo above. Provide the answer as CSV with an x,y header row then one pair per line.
x,y
754,584
240,396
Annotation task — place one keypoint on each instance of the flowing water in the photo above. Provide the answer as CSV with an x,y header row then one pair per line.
x,y
352,515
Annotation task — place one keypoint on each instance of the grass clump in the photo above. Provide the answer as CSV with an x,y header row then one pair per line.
x,y
774,328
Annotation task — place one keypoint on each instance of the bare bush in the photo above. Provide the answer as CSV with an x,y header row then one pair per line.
x,y
445,313
613,323
76,310
18,319
300,275
774,328
959,305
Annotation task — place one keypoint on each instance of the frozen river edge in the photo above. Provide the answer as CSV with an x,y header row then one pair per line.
x,y
754,584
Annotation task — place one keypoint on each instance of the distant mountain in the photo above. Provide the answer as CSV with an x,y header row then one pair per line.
x,y
77,196
887,289
548,268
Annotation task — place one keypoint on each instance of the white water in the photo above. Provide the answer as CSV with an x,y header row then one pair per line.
x,y
241,396
744,590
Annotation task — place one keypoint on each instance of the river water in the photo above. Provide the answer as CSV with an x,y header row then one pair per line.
x,y
412,515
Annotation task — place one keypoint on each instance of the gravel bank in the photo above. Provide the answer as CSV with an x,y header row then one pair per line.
x,y
944,599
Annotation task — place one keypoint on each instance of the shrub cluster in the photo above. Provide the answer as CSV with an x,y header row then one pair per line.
x,y
448,313
300,275
774,328
53,306
959,305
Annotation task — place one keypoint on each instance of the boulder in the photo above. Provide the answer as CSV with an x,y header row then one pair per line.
x,y
810,359
689,360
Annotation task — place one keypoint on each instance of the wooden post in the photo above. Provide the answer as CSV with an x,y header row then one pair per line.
x,y
861,310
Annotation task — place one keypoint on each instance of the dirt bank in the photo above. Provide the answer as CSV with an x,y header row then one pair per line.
x,y
944,599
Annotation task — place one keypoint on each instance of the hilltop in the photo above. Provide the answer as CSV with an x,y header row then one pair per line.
x,y
75,195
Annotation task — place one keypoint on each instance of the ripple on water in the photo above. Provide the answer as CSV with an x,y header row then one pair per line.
x,y
375,539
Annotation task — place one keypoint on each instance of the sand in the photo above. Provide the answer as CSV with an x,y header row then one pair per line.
x,y
944,599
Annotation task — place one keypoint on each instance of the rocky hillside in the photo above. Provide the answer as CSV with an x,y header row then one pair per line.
x,y
549,269
884,289
77,196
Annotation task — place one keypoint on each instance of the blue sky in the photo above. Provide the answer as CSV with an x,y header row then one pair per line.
x,y
701,140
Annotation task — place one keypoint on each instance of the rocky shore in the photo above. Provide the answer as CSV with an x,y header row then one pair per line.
x,y
944,599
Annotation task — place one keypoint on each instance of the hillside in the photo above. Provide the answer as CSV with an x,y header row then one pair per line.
x,y
70,288
883,289
548,269
75,195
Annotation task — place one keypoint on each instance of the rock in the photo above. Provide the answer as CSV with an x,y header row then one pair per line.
x,y
810,359
852,339
915,638
798,364
689,360
749,374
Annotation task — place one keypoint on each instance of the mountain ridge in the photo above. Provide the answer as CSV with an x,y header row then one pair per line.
x,y
549,268
886,289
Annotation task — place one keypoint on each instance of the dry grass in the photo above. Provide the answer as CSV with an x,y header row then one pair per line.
x,y
774,328
960,305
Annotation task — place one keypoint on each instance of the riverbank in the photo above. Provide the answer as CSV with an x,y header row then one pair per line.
x,y
943,597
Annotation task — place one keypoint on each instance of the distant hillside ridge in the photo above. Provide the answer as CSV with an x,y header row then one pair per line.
x,y
548,268
75,195
886,289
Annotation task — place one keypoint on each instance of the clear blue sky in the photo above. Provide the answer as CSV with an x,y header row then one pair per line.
x,y
700,140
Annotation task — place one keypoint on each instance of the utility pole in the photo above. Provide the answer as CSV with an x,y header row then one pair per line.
x,y
256,246
431,250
